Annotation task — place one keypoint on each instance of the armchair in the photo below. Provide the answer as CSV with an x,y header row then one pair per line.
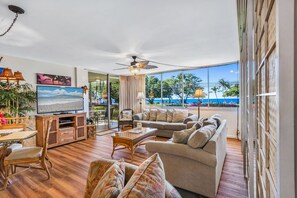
x,y
125,118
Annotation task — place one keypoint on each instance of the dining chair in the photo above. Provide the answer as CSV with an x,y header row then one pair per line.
x,y
28,155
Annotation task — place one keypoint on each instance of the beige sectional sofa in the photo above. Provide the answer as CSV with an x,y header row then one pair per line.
x,y
166,121
195,170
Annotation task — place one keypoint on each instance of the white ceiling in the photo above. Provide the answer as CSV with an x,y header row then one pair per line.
x,y
95,34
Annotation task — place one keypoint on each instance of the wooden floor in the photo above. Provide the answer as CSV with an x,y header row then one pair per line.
x,y
71,164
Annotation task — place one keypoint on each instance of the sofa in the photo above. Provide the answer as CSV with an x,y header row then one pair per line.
x,y
196,170
165,120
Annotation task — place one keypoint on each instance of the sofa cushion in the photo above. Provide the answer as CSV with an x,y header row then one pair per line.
x,y
171,192
217,118
153,114
175,126
112,182
210,121
147,181
162,115
158,125
169,115
143,122
179,115
146,114
183,135
201,136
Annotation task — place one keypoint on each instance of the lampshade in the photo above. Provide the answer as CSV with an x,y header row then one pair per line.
x,y
18,76
199,93
7,74
140,96
104,95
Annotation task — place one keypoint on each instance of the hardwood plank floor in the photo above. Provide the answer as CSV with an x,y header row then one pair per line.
x,y
71,163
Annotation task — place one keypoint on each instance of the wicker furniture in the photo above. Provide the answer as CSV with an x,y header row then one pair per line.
x,y
125,121
131,140
27,155
66,128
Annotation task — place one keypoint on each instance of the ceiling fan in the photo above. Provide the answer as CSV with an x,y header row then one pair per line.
x,y
135,66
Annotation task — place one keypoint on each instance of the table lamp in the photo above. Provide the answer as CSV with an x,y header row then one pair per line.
x,y
140,97
199,94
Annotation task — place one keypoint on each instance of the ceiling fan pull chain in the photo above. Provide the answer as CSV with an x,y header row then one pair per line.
x,y
14,20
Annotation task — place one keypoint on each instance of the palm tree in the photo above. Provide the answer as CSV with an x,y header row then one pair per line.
x,y
215,90
225,86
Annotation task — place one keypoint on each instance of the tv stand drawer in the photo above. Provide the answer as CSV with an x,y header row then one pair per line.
x,y
67,134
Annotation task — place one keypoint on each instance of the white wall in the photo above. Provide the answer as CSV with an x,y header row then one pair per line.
x,y
228,113
29,68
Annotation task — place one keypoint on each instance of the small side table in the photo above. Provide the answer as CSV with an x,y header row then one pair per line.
x,y
91,130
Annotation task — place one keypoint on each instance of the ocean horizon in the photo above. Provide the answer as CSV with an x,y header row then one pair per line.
x,y
194,100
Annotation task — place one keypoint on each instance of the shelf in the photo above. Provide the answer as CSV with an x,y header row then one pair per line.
x,y
64,123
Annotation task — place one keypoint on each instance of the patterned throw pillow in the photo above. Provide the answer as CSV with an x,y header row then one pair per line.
x,y
171,192
127,115
112,182
169,115
146,114
153,115
199,123
162,115
199,138
179,115
147,181
183,135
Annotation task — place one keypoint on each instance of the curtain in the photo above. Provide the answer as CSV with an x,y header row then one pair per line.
x,y
129,88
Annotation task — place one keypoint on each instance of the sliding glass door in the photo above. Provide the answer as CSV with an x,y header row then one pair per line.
x,y
103,100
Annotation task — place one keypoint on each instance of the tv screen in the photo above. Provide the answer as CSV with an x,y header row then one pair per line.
x,y
59,99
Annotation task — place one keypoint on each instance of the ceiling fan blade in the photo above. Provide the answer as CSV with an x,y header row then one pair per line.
x,y
142,64
121,68
123,64
150,67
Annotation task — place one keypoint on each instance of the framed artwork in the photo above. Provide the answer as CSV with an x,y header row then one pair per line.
x,y
49,79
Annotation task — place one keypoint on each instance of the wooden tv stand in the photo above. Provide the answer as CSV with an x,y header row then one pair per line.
x,y
66,128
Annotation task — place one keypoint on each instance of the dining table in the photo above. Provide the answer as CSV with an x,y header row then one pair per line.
x,y
7,138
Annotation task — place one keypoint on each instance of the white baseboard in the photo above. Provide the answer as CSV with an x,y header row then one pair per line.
x,y
232,136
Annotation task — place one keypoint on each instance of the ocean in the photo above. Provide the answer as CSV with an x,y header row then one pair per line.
x,y
204,100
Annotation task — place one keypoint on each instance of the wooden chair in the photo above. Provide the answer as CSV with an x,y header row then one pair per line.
x,y
123,121
28,155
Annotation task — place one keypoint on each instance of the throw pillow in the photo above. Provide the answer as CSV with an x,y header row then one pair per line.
x,y
153,115
146,114
179,115
217,118
171,192
183,135
199,138
112,182
127,115
210,121
162,115
169,115
147,181
199,123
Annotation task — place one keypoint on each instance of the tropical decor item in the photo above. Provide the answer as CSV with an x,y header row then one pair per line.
x,y
2,119
49,79
17,101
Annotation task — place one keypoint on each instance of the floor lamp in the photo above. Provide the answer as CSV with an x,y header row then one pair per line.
x,y
199,94
140,97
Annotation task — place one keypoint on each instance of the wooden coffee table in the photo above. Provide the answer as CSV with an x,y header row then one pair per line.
x,y
131,140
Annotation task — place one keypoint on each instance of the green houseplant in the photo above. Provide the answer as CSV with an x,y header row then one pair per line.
x,y
18,100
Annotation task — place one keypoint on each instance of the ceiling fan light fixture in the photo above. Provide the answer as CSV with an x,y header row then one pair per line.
x,y
134,70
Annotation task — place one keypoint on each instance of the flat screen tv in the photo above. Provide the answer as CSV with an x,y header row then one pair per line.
x,y
52,99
